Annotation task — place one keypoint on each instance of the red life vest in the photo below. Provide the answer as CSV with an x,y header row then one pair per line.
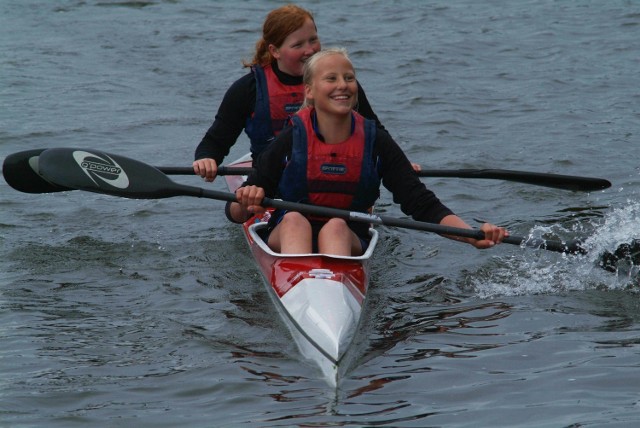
x,y
275,103
340,175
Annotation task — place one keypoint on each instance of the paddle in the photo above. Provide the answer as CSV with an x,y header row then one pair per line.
x,y
20,170
109,174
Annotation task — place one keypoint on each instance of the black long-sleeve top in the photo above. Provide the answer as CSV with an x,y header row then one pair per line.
x,y
394,168
238,105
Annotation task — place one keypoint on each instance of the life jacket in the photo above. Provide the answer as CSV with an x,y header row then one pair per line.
x,y
343,175
275,103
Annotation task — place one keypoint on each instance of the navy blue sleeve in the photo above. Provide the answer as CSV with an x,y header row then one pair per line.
x,y
402,181
236,107
271,162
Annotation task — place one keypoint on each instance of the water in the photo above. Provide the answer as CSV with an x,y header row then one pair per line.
x,y
116,312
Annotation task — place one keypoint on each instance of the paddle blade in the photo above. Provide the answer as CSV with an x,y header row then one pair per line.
x,y
110,174
627,254
557,181
20,171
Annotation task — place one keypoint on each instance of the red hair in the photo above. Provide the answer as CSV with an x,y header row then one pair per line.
x,y
277,26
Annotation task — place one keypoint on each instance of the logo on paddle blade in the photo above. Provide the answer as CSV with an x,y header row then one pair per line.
x,y
101,167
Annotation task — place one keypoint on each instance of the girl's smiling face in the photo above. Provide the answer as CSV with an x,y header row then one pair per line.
x,y
297,48
333,87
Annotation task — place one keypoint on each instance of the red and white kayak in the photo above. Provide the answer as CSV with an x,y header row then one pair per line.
x,y
319,296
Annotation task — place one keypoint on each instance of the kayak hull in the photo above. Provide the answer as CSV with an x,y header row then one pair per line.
x,y
319,296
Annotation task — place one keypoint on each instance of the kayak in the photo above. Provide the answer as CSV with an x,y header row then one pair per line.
x,y
319,296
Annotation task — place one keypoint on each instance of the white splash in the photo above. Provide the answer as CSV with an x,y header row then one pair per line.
x,y
543,272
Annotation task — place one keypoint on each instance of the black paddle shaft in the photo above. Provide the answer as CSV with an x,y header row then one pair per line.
x,y
20,170
561,247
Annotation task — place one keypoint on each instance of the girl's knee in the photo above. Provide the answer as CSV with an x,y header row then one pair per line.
x,y
295,219
335,226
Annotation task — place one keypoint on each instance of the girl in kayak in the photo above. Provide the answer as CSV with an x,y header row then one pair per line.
x,y
261,101
332,156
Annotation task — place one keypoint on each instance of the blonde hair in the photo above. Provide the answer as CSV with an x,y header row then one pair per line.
x,y
277,26
309,69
